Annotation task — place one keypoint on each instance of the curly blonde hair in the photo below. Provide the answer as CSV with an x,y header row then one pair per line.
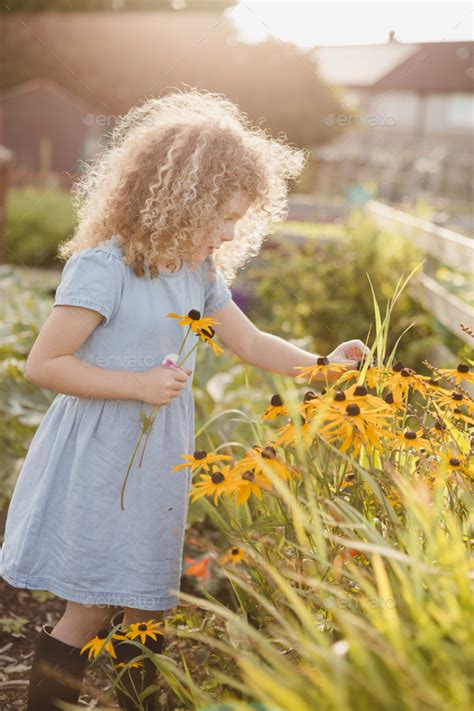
x,y
163,181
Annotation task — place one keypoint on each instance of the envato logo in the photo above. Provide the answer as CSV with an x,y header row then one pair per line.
x,y
139,602
110,120
127,362
371,120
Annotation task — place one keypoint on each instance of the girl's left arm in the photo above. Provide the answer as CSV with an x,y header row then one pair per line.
x,y
259,348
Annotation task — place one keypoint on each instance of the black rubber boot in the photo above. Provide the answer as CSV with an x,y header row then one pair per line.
x,y
136,679
57,672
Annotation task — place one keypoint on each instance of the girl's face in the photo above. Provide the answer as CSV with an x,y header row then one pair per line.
x,y
235,210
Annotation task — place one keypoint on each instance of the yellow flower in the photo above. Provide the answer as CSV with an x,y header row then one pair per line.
x,y
199,459
145,629
258,459
310,403
234,554
207,334
275,408
323,368
411,440
129,664
402,378
249,482
456,462
454,401
357,424
217,483
462,372
288,434
194,320
96,645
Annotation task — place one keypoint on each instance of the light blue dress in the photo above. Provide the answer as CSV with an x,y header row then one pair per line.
x,y
65,530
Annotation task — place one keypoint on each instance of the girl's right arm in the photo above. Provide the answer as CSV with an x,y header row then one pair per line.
x,y
52,364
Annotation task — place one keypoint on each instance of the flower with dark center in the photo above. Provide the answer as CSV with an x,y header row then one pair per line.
x,y
209,332
200,460
455,462
322,360
409,435
102,633
406,372
142,627
194,315
463,368
398,366
309,395
353,410
217,477
389,399
269,453
360,391
248,475
235,551
276,401
340,396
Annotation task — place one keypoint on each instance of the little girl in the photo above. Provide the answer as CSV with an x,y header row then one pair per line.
x,y
181,197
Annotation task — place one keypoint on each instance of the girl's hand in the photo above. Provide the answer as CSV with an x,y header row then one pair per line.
x,y
349,353
160,385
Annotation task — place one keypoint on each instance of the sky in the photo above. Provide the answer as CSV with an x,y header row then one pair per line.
x,y
314,23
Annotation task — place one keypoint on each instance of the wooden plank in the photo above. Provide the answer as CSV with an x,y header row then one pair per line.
x,y
446,246
446,307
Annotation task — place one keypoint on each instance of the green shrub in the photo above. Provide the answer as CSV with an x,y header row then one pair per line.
x,y
320,293
37,220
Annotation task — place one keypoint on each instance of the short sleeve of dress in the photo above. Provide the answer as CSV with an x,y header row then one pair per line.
x,y
216,293
92,278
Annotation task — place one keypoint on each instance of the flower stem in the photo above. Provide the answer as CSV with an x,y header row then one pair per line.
x,y
128,471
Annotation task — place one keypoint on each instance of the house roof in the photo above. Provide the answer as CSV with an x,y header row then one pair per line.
x,y
435,67
360,66
47,85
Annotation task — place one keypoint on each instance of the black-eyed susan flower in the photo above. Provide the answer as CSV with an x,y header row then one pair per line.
x,y
290,433
194,321
402,378
142,630
373,376
260,459
276,407
133,665
200,460
207,335
453,401
97,644
409,439
360,394
310,403
458,374
357,424
234,555
456,462
219,482
323,370
247,483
